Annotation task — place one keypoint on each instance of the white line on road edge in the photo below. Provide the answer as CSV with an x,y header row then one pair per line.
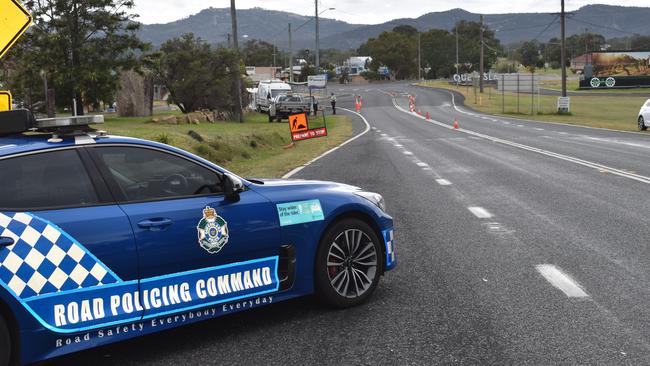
x,y
296,170
443,182
453,99
586,163
561,280
480,212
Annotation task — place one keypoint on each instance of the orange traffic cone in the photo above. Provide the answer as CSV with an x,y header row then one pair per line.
x,y
456,126
428,116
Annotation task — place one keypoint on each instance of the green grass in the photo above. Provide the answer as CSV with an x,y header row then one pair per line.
x,y
251,149
619,113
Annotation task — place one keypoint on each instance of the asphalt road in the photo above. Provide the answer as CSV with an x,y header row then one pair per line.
x,y
519,243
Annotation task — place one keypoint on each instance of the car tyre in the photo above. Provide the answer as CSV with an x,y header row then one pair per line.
x,y
349,263
5,343
642,126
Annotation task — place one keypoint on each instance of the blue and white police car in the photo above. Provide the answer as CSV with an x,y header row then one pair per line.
x,y
105,238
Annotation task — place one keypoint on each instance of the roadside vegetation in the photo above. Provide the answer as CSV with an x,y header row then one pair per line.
x,y
252,149
618,113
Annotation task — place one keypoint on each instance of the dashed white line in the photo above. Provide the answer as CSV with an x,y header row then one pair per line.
x,y
561,280
480,212
398,145
408,153
384,135
443,182
539,129
422,165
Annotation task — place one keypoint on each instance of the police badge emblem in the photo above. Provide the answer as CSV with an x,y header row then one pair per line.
x,y
213,231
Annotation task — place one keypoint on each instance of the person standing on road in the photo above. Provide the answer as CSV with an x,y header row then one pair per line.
x,y
333,102
315,106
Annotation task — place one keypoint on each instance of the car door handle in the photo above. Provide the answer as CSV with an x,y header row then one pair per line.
x,y
6,241
156,224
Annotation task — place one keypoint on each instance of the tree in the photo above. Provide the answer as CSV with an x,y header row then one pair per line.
x,y
438,53
196,75
529,55
259,53
80,46
469,34
395,49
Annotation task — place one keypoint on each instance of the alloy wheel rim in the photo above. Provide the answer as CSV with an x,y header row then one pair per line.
x,y
352,263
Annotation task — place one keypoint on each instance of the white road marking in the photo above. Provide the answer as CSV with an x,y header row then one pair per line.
x,y
422,165
480,212
443,182
586,163
561,280
408,153
563,133
296,170
398,145
384,135
539,129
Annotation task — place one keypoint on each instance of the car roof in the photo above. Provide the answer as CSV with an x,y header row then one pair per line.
x,y
22,143
26,143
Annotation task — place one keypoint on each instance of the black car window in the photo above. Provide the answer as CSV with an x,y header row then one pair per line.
x,y
144,174
45,180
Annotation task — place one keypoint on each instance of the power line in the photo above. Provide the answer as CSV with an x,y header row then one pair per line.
x,y
602,26
545,29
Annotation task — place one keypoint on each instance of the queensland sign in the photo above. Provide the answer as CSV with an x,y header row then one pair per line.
x,y
14,21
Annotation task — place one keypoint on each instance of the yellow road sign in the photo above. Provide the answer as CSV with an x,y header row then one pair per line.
x,y
5,101
14,21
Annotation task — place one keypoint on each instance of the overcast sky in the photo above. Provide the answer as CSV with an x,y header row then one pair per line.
x,y
359,11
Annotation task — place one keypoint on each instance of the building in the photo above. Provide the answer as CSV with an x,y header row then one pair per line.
x,y
357,65
258,73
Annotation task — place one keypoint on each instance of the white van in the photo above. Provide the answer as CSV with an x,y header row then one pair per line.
x,y
268,90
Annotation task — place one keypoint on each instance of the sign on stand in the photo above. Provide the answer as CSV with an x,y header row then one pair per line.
x,y
563,104
300,130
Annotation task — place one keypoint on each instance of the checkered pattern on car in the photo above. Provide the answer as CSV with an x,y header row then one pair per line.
x,y
43,259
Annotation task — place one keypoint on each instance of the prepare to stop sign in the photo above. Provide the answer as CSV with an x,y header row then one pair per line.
x,y
300,130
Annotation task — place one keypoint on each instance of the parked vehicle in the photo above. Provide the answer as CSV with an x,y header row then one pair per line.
x,y
644,116
105,238
284,105
267,90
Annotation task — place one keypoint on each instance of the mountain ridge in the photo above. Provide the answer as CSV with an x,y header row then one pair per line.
x,y
213,25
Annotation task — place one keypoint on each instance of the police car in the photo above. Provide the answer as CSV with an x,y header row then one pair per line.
x,y
105,238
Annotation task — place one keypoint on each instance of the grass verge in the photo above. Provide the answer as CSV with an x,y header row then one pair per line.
x,y
251,149
618,113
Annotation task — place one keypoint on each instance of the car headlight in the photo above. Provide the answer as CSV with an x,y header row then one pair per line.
x,y
375,198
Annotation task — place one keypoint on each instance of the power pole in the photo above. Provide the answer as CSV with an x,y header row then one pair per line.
x,y
563,50
233,17
419,56
481,70
290,56
457,65
317,38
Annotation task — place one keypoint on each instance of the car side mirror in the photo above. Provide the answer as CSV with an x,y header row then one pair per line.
x,y
232,186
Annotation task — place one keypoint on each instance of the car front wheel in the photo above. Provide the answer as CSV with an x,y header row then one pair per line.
x,y
348,264
642,126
